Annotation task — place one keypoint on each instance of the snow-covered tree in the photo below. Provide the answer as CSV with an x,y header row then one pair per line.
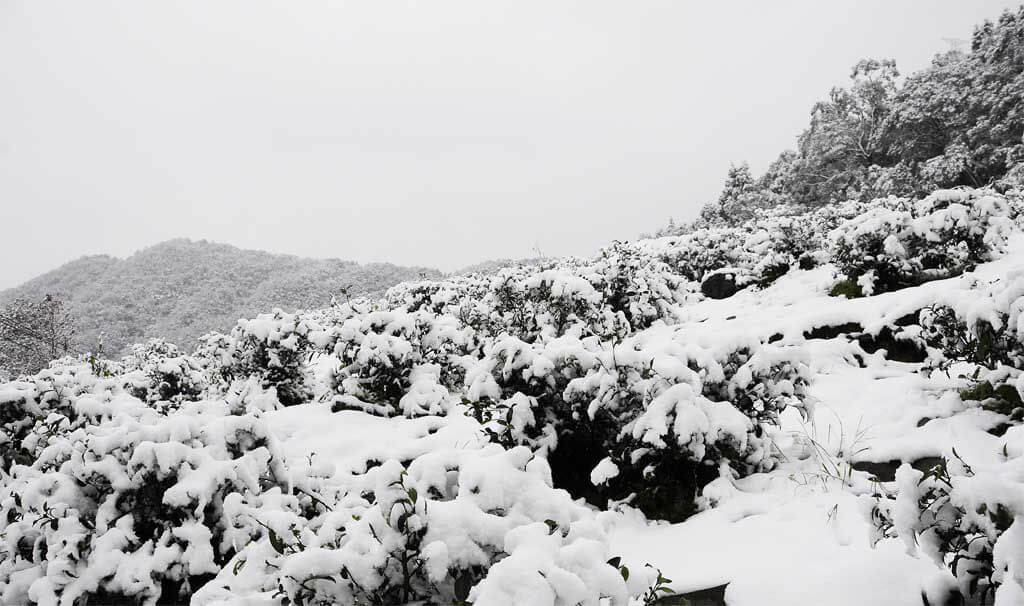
x,y
34,332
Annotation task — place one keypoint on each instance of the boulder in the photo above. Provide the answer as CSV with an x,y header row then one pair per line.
x,y
719,286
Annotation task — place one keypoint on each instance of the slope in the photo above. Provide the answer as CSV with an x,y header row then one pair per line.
x,y
181,289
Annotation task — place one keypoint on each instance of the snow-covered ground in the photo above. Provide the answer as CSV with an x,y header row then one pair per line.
x,y
799,534
516,438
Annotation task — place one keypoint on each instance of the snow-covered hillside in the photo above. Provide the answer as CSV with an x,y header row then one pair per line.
x,y
816,408
179,289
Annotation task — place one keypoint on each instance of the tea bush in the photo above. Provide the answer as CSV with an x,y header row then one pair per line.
x,y
899,242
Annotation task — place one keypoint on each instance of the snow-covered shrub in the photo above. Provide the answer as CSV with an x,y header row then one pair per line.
x,y
463,297
396,362
157,372
129,506
700,252
963,517
635,284
682,415
214,354
899,242
517,388
650,420
274,347
482,525
759,379
759,251
45,404
550,301
984,340
966,515
19,412
624,289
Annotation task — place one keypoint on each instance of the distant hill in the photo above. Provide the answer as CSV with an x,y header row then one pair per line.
x,y
181,289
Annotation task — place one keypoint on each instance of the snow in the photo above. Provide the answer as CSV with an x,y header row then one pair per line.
x,y
604,471
770,527
328,446
347,439
784,546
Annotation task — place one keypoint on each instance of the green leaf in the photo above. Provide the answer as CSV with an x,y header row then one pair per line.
x,y
403,521
412,495
463,583
320,577
276,542
624,572
615,561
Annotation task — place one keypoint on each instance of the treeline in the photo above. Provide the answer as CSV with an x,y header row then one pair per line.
x,y
959,122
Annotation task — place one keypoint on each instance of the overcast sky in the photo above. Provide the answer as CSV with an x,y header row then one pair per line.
x,y
429,133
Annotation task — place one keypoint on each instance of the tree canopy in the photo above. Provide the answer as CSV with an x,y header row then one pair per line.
x,y
958,122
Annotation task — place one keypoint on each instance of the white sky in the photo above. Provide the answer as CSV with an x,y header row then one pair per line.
x,y
430,133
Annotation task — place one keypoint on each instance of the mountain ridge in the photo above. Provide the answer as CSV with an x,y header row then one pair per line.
x,y
181,288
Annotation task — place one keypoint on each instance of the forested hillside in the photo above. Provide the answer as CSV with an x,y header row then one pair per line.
x,y
959,122
181,289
